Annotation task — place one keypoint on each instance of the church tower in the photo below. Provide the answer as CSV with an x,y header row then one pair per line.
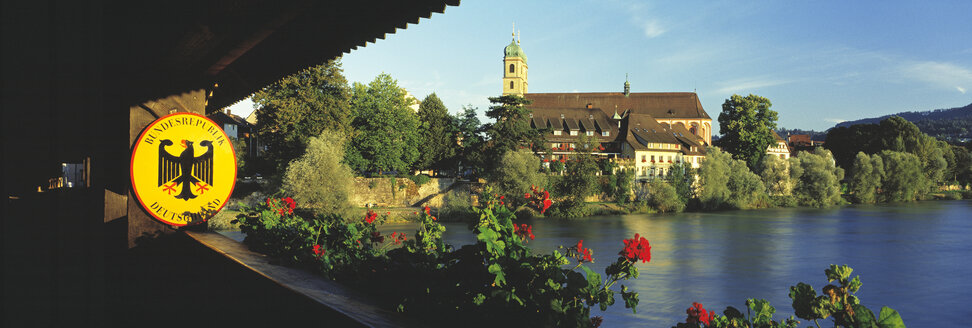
x,y
514,69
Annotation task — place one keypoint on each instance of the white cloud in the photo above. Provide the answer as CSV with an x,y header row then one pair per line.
x,y
749,85
835,120
653,29
941,74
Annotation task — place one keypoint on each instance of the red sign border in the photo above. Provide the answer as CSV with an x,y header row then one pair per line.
x,y
131,165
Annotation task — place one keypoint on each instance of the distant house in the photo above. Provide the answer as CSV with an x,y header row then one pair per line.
x,y
240,129
779,148
802,142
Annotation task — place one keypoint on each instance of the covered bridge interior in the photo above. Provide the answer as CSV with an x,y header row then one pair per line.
x,y
81,79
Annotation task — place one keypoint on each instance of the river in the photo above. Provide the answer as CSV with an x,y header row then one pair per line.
x,y
912,257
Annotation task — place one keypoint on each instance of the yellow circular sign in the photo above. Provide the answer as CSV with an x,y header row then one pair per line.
x,y
183,169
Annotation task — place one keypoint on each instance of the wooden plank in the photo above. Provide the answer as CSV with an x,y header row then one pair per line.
x,y
352,304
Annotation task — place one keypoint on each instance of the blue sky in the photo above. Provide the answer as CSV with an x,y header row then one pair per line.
x,y
819,62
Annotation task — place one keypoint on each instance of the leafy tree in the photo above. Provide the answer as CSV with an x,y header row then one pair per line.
x,y
746,125
714,179
622,191
663,197
438,134
819,185
516,173
681,177
962,171
387,136
776,176
746,190
903,178
865,178
511,128
301,106
318,179
580,178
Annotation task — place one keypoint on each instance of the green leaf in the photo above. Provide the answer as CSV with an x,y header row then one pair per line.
x,y
803,297
557,306
840,273
495,269
593,278
889,318
854,285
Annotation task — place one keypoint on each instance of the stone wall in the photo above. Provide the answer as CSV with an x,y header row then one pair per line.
x,y
396,192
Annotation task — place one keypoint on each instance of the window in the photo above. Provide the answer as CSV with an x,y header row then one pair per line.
x,y
652,158
558,132
590,133
573,132
511,85
512,68
606,133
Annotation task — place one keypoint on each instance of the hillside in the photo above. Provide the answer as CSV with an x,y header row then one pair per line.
x,y
953,124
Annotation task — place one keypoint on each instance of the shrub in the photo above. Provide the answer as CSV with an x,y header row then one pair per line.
x,y
318,178
419,179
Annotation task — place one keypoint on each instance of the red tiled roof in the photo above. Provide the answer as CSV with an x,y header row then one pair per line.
x,y
657,104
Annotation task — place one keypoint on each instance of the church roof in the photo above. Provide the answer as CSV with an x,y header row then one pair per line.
x,y
644,129
514,50
661,105
581,119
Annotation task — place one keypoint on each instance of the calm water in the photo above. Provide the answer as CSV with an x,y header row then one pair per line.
x,y
911,257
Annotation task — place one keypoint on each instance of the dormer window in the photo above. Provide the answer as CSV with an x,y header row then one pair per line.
x,y
605,133
573,132
590,133
558,132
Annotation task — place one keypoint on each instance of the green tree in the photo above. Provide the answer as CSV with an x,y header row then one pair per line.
x,y
516,172
746,190
387,136
682,176
318,179
819,185
438,134
622,192
865,178
962,171
746,125
580,178
714,179
663,197
903,177
470,140
300,106
511,129
776,176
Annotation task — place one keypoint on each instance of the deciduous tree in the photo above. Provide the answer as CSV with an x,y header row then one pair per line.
x,y
318,179
746,125
387,136
300,106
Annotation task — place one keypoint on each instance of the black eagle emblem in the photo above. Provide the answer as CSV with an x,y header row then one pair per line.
x,y
186,169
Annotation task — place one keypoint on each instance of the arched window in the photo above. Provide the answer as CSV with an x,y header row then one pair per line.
x,y
511,85
512,68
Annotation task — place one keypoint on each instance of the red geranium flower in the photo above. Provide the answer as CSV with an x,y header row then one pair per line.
x,y
428,210
523,231
636,248
371,216
319,250
526,195
583,254
697,314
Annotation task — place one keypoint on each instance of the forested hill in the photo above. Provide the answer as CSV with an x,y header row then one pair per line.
x,y
953,124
